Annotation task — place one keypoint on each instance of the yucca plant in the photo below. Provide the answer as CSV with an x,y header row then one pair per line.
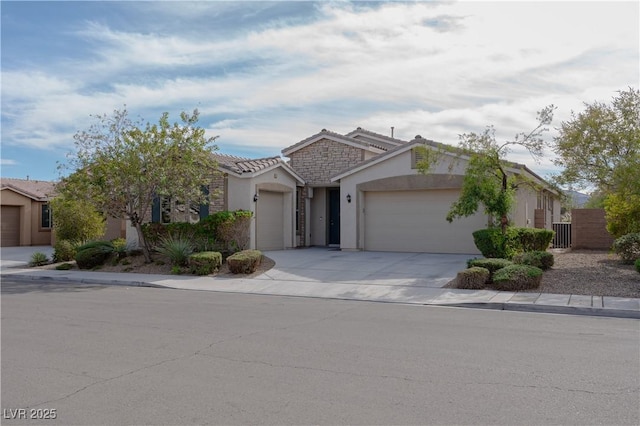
x,y
177,248
38,259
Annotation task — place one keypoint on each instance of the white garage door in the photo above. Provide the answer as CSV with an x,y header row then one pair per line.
x,y
415,221
270,221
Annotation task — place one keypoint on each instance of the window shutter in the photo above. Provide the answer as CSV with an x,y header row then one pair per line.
x,y
155,210
204,208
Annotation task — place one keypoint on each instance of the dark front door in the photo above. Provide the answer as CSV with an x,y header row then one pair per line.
x,y
334,216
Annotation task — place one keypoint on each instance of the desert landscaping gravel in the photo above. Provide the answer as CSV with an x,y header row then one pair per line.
x,y
595,273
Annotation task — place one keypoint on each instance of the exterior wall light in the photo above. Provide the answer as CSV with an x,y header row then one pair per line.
x,y
348,198
255,198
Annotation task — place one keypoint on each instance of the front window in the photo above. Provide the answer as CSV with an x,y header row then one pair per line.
x,y
45,217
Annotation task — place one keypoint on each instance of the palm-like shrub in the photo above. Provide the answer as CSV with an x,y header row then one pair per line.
x,y
177,248
38,259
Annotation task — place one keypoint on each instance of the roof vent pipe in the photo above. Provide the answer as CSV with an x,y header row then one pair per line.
x,y
391,131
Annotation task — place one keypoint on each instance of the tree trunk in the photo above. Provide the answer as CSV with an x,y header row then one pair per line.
x,y
141,240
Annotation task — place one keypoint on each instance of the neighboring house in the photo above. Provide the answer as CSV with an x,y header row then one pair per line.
x,y
25,216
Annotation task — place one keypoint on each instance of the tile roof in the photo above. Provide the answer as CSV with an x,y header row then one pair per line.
x,y
373,136
39,190
365,142
242,165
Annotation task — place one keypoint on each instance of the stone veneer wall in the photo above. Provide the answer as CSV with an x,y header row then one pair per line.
x,y
319,161
316,163
217,190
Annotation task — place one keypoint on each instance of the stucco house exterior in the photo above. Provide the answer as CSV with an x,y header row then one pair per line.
x,y
364,192
25,215
268,187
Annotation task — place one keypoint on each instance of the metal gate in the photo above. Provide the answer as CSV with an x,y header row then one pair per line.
x,y
562,236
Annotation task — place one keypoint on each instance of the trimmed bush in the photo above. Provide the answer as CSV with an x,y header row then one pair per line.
x,y
177,249
540,259
637,265
491,264
244,262
493,244
628,247
64,267
205,263
533,239
38,259
91,257
64,250
106,246
517,277
473,278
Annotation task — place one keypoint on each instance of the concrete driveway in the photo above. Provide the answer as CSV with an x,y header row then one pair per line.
x,y
374,268
13,257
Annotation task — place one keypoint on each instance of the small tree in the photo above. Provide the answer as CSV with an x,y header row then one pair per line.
x,y
120,166
76,220
487,178
600,147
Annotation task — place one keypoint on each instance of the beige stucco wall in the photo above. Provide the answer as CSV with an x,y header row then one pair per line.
x,y
526,203
30,211
242,190
394,173
319,217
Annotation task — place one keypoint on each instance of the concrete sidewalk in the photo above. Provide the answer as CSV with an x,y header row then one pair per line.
x,y
364,291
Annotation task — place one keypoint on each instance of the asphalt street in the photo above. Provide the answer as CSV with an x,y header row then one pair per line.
x,y
94,354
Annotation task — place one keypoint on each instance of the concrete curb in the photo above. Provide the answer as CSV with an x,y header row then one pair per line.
x,y
549,309
82,280
503,306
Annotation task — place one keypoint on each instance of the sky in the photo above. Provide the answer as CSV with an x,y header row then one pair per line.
x,y
265,75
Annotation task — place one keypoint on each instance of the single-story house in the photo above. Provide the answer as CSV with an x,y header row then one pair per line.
x,y
364,192
25,215
358,191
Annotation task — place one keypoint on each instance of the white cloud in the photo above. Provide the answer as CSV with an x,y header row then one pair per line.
x,y
435,69
8,162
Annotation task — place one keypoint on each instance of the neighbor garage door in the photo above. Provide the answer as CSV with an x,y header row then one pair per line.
x,y
270,221
10,226
414,221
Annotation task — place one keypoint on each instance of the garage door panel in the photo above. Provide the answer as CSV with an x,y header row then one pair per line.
x,y
10,226
270,221
415,221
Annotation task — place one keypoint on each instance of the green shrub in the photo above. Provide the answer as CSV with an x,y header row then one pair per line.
x,y
244,262
473,278
231,229
176,270
493,244
119,247
76,220
38,259
637,265
517,277
628,247
532,239
106,246
176,248
205,263
64,250
540,259
93,256
491,264
64,267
